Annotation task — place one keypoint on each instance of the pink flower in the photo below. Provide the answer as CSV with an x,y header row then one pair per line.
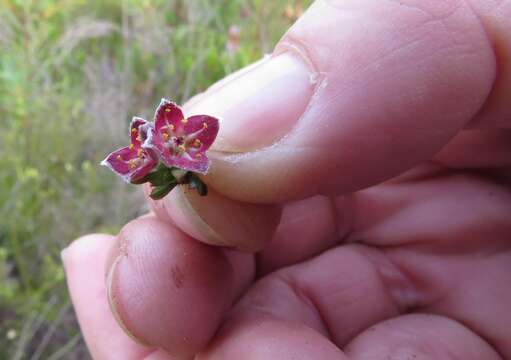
x,y
133,162
181,142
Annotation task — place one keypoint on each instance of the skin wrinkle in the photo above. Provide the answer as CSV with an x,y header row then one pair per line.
x,y
255,304
442,296
346,219
405,295
309,293
304,297
431,17
418,342
313,304
415,6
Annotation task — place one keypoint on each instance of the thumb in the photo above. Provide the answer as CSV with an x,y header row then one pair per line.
x,y
356,92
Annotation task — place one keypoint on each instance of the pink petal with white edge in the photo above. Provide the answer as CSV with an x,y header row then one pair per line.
x,y
167,114
182,142
199,165
119,162
156,143
205,127
191,160
138,131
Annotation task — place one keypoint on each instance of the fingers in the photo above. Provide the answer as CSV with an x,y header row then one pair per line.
x,y
330,300
217,220
496,112
477,149
419,336
169,291
276,319
352,290
450,236
307,228
387,88
267,338
84,262
337,294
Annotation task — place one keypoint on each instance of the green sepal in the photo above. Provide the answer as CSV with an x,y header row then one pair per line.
x,y
164,179
161,176
159,192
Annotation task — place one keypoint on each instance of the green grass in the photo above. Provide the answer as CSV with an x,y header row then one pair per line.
x,y
72,74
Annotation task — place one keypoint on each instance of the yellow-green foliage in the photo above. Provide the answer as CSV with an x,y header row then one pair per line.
x,y
72,73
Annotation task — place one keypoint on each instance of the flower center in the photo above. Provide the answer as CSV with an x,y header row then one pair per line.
x,y
178,140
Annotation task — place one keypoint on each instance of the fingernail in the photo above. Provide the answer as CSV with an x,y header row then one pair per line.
x,y
113,302
261,105
187,219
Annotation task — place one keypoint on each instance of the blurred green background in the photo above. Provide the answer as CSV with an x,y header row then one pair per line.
x,y
72,74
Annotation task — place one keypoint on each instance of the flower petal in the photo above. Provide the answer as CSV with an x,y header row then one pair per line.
x,y
138,131
191,160
181,142
198,164
131,163
204,127
156,143
167,114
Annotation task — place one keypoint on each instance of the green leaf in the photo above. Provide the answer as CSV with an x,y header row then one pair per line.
x,y
159,192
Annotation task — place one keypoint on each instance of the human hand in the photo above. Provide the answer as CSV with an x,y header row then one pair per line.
x,y
382,131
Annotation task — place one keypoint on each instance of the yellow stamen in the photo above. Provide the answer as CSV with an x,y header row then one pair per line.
x,y
181,148
132,146
132,164
197,143
165,136
171,127
134,130
168,110
139,152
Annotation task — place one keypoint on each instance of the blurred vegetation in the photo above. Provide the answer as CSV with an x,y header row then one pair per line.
x,y
72,73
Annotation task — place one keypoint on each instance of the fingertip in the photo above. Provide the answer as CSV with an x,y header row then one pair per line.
x,y
263,337
96,247
84,247
167,289
84,263
217,220
419,336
